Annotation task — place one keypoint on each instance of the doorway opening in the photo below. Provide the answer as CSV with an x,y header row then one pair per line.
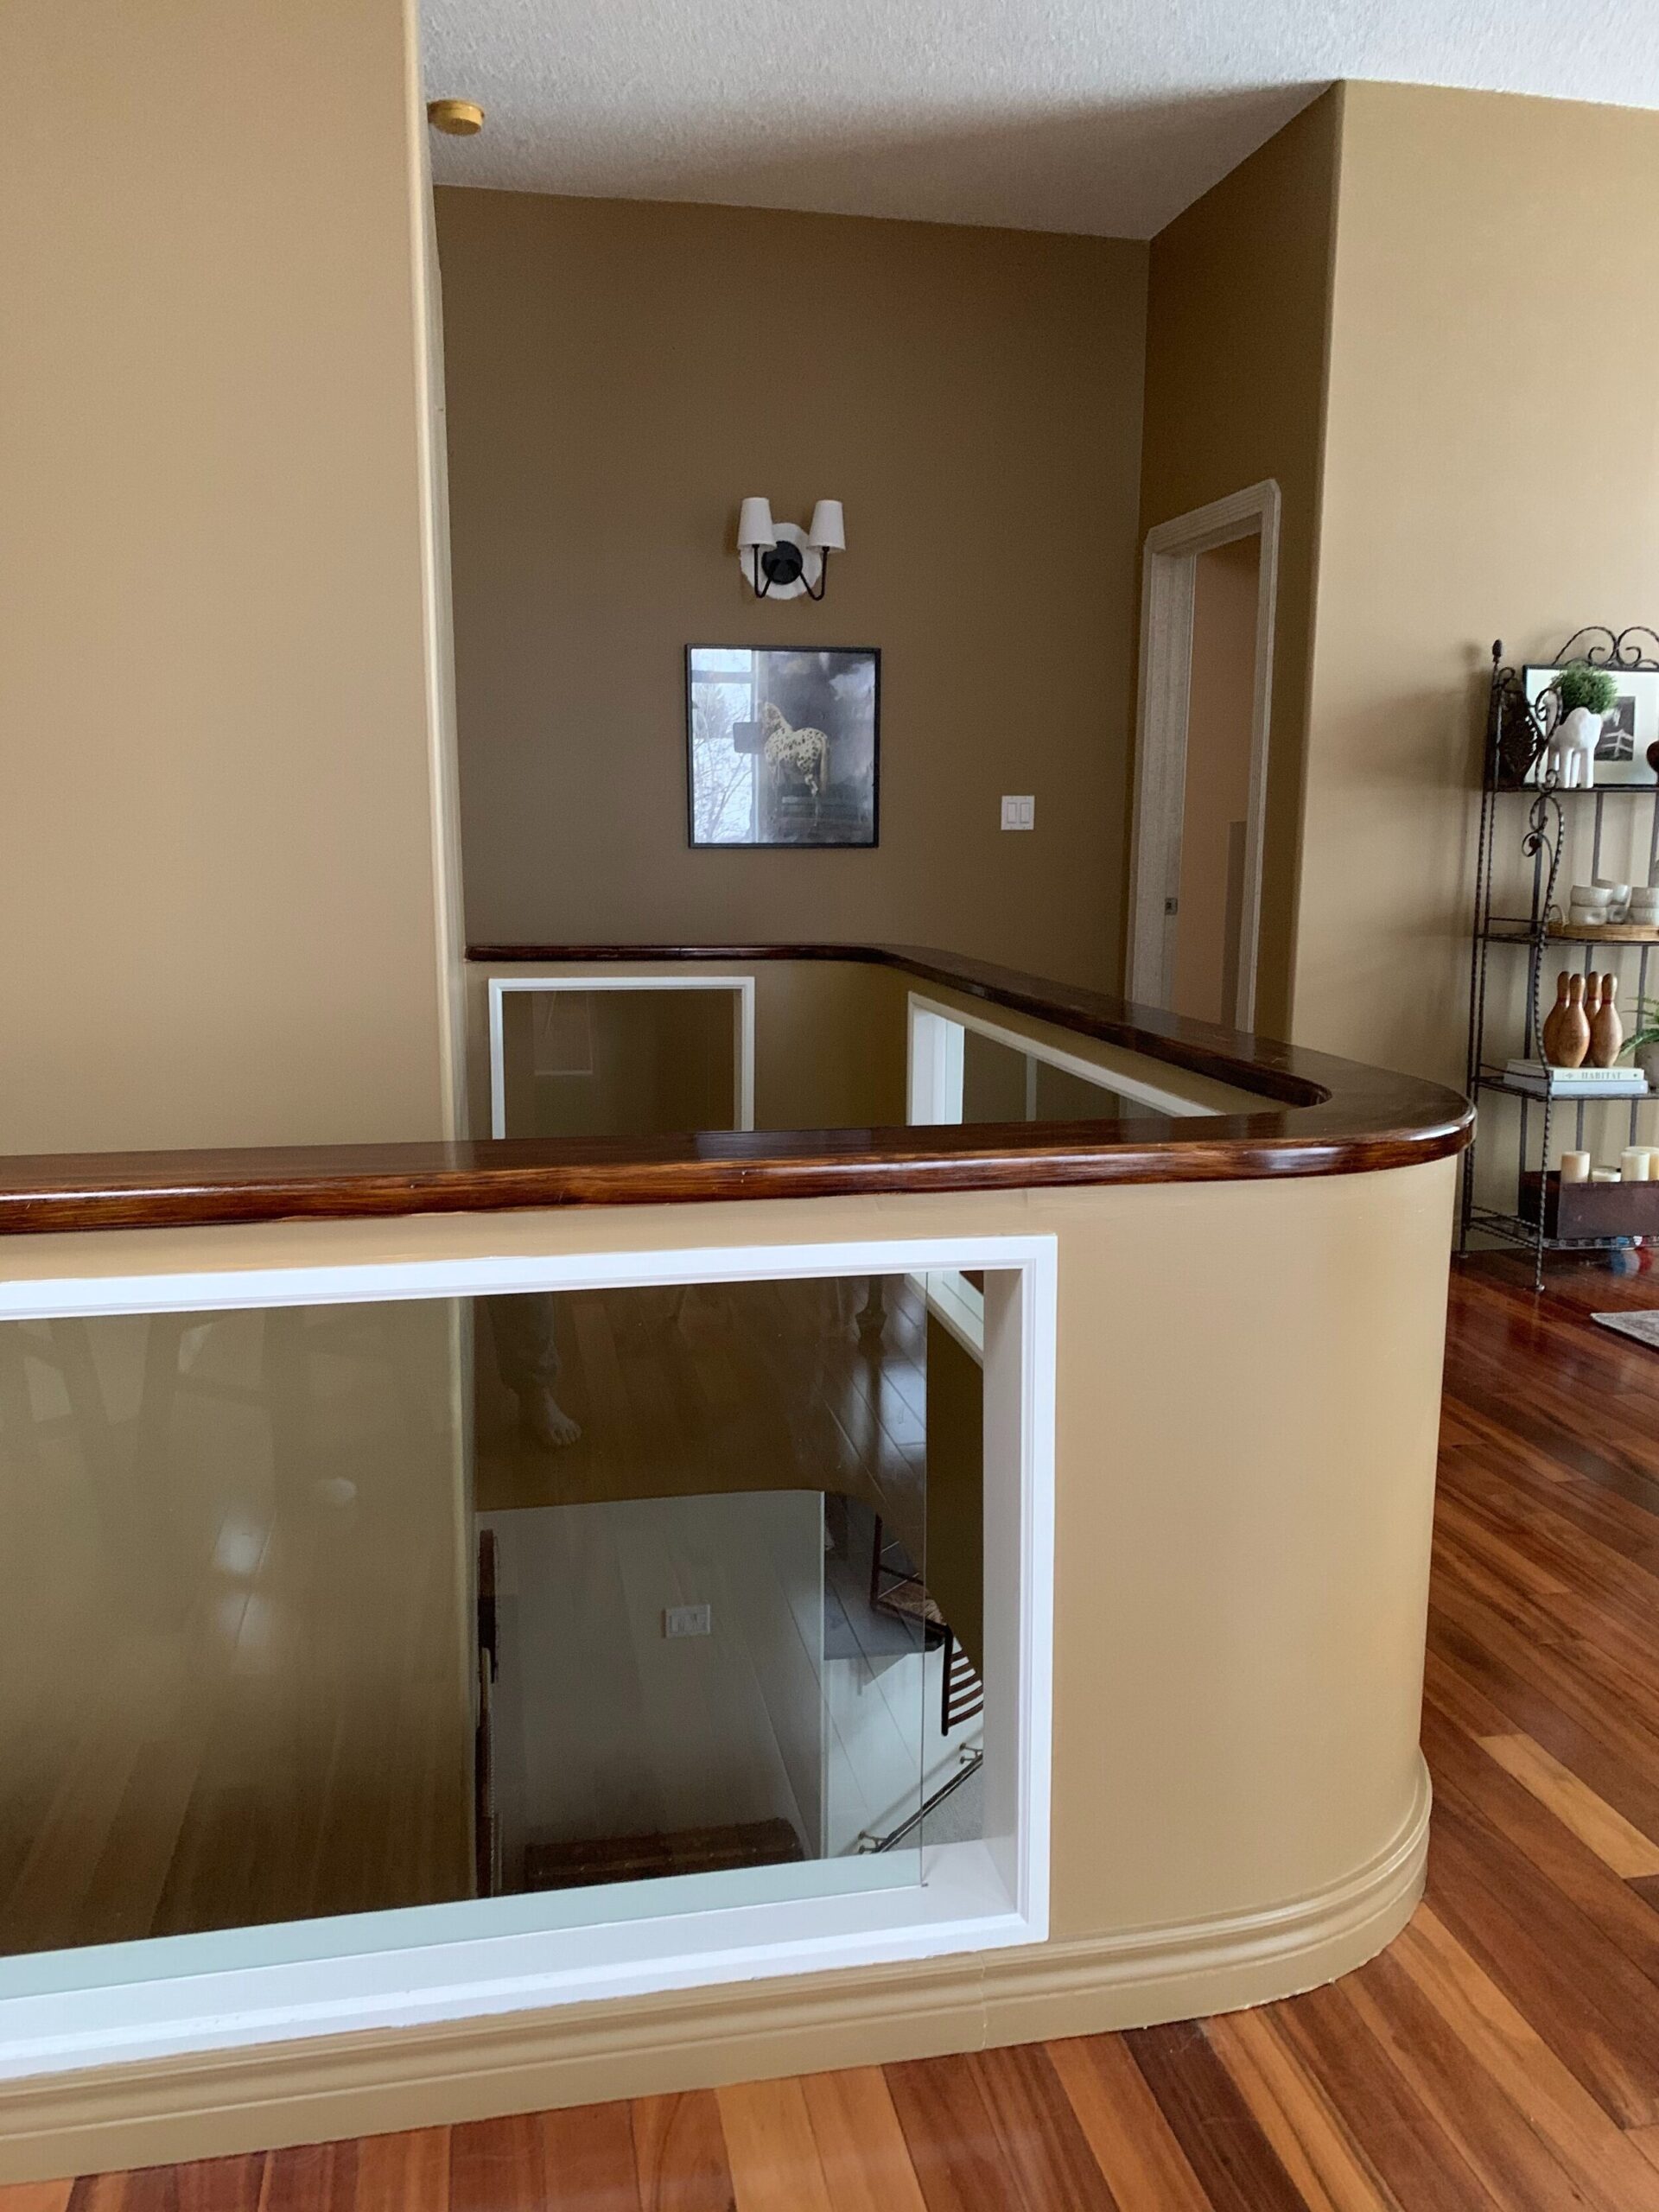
x,y
1201,758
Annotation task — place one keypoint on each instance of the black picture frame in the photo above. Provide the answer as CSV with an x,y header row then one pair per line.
x,y
837,722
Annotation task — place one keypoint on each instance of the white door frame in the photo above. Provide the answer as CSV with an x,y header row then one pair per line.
x,y
1168,583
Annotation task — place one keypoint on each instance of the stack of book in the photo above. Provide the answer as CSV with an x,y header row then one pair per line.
x,y
1544,1081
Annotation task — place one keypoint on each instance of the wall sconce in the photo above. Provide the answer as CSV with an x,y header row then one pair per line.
x,y
781,561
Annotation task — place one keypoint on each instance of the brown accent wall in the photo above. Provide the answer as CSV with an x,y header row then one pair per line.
x,y
1492,469
1237,317
217,680
620,375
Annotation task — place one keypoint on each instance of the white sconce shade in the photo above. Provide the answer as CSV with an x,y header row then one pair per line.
x,y
779,560
754,526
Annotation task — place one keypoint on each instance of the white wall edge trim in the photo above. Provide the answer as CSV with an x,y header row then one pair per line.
x,y
742,1041
433,1963
1168,581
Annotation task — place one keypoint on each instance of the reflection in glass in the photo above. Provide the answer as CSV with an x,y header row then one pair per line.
x,y
338,1609
1000,1082
233,1614
618,1064
783,744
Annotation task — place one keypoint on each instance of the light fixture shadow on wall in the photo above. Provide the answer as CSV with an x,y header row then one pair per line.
x,y
781,561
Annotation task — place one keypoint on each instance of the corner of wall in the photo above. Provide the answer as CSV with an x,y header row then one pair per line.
x,y
438,623
1238,371
1335,101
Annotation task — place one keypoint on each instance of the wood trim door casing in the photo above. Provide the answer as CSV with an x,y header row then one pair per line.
x,y
1168,587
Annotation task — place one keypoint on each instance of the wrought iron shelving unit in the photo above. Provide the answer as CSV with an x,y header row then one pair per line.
x,y
1516,741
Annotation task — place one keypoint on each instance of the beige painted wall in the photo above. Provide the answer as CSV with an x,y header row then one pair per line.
x,y
217,675
1214,814
620,376
1490,472
1235,329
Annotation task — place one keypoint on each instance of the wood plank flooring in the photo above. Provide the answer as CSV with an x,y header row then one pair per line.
x,y
1504,2053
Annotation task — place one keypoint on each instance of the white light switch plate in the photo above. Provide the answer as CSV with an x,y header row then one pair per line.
x,y
689,1620
1018,813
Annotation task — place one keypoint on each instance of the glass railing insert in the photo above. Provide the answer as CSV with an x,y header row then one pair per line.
x,y
320,1609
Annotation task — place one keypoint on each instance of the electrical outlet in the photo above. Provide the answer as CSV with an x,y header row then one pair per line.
x,y
1018,813
689,1620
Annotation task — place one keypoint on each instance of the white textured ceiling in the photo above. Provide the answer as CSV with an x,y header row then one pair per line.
x,y
1108,116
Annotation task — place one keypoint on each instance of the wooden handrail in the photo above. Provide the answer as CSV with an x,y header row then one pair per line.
x,y
1321,1117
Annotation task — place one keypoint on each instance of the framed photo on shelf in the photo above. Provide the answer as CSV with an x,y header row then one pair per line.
x,y
1630,726
783,744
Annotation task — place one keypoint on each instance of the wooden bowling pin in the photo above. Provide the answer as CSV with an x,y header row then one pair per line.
x,y
1606,1030
1549,1038
1572,1038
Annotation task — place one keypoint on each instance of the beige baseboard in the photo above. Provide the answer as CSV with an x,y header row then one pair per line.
x,y
216,2103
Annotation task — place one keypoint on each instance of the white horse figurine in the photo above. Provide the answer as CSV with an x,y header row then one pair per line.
x,y
1570,749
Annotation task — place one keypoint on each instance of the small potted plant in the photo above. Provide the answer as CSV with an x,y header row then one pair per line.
x,y
1585,694
1642,1043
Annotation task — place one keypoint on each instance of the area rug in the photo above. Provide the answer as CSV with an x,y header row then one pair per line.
x,y
1644,1327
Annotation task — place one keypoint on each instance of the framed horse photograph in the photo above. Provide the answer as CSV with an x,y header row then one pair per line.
x,y
782,744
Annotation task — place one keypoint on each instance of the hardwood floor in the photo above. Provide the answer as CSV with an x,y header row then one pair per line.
x,y
1504,2053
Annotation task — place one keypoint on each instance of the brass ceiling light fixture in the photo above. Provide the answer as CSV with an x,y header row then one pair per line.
x,y
456,118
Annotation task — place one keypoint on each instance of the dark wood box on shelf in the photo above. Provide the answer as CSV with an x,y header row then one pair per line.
x,y
1591,1210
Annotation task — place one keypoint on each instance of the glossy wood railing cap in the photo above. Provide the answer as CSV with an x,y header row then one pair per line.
x,y
1320,1116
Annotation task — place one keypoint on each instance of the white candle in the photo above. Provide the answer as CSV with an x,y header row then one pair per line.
x,y
1636,1165
1575,1167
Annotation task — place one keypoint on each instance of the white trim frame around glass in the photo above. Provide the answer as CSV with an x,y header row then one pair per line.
x,y
742,987
104,2005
